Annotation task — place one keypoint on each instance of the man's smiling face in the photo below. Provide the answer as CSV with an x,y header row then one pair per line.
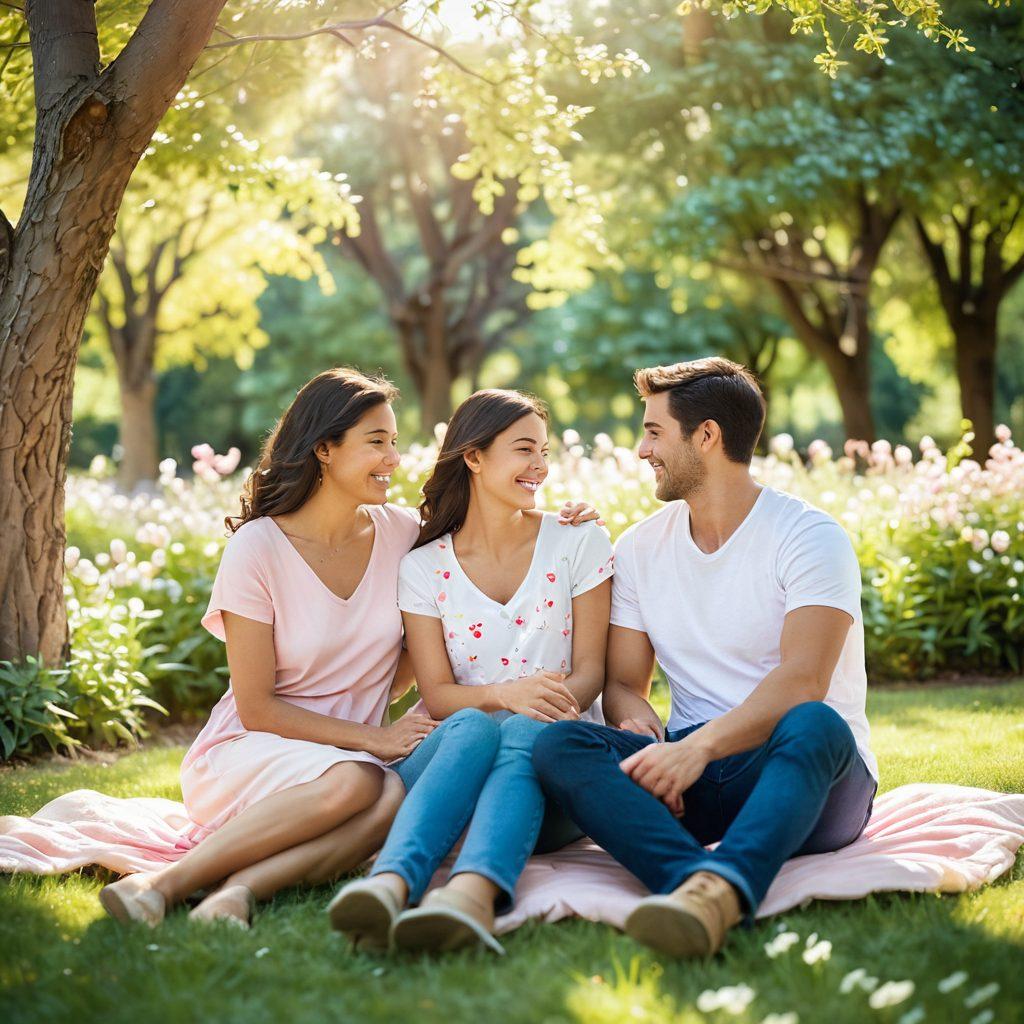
x,y
679,470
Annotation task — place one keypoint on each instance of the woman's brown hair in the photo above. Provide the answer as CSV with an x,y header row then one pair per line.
x,y
473,427
288,471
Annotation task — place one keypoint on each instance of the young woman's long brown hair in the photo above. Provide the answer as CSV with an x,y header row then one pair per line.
x,y
473,427
288,471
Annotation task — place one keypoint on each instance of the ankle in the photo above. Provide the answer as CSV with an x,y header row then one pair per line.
x,y
477,887
396,884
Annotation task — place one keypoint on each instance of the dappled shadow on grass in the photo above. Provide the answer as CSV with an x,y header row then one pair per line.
x,y
64,961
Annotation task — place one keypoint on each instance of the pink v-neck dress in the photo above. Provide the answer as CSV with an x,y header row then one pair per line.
x,y
334,656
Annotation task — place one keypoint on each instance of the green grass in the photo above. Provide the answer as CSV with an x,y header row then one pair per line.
x,y
62,960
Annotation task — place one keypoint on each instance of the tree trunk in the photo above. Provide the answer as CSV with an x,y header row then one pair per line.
x,y
140,453
975,339
52,275
91,129
852,378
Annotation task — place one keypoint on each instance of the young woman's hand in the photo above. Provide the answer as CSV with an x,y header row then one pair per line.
x,y
576,513
401,738
543,696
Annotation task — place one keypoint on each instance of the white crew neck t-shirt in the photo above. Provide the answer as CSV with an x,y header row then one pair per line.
x,y
715,620
489,642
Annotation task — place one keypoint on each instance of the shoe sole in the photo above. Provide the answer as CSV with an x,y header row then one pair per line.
x,y
116,906
113,904
363,917
664,925
436,930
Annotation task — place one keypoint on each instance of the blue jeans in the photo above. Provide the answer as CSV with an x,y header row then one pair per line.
x,y
473,767
804,791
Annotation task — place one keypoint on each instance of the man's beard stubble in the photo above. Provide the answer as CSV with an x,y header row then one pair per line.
x,y
683,478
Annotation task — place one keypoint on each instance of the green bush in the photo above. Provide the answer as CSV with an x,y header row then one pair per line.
x,y
33,709
940,540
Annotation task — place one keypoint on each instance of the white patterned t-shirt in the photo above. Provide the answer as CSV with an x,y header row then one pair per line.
x,y
489,642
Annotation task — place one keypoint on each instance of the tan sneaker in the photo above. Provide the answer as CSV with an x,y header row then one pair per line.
x,y
691,921
446,919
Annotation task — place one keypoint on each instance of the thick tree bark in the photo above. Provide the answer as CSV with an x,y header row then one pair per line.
x,y
91,128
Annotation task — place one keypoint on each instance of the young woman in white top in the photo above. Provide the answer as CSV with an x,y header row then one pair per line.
x,y
506,619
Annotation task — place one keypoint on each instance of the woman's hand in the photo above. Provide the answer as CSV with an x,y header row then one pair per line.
x,y
401,738
576,513
543,696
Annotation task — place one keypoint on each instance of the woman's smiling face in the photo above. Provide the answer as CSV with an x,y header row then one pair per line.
x,y
362,463
515,465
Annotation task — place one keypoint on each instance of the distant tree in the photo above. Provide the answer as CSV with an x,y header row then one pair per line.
x,y
969,217
186,264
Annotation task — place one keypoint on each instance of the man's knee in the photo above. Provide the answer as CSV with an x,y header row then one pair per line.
x,y
554,744
816,724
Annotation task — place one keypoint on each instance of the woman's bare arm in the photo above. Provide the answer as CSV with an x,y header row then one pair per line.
x,y
590,614
252,660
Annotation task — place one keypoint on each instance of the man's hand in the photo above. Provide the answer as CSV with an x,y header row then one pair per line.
x,y
644,727
668,770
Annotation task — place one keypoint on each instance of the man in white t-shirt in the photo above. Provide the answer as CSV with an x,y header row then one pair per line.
x,y
749,599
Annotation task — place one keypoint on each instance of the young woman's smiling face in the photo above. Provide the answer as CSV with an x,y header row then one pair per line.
x,y
362,464
515,465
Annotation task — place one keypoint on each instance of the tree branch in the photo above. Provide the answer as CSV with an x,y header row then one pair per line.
x,y
65,47
156,60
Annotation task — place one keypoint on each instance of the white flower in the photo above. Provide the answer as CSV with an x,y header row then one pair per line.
x,y
211,549
954,980
985,1017
851,980
136,607
819,951
71,557
914,1016
782,1018
981,995
118,550
262,952
890,994
781,944
733,999
974,566
781,444
570,437
1003,433
87,573
1000,541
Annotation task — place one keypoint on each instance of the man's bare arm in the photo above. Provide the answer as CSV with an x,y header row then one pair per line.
x,y
630,666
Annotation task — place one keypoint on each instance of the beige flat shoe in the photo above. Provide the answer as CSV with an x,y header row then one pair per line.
x,y
692,921
364,910
234,904
130,903
446,920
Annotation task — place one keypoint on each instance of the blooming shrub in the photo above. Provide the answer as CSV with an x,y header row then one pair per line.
x,y
939,536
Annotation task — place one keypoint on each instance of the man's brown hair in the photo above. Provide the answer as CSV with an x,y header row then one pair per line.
x,y
711,389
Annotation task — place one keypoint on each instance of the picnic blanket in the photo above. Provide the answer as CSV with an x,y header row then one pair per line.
x,y
921,838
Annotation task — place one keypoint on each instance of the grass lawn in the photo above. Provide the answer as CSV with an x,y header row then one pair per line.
x,y
63,960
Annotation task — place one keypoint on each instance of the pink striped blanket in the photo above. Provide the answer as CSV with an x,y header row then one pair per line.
x,y
921,838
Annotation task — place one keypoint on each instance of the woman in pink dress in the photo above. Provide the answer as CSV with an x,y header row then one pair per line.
x,y
287,781
288,774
